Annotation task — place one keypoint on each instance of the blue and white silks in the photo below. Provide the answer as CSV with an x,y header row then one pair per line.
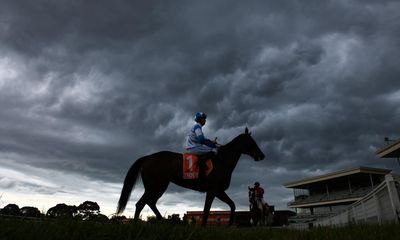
x,y
196,142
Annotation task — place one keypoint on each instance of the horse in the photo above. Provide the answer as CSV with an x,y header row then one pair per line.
x,y
260,216
159,169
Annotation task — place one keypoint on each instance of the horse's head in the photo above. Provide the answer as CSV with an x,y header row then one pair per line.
x,y
250,146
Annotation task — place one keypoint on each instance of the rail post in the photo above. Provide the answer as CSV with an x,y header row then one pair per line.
x,y
393,195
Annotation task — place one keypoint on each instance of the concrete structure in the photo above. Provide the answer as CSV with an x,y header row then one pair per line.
x,y
378,206
243,218
375,203
390,151
326,195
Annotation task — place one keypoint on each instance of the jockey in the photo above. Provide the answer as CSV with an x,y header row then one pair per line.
x,y
196,143
259,194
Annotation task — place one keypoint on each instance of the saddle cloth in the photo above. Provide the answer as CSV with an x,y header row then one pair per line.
x,y
191,168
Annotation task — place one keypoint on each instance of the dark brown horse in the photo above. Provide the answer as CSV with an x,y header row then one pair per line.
x,y
159,169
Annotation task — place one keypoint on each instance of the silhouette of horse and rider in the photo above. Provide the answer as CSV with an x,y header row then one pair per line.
x,y
159,169
261,214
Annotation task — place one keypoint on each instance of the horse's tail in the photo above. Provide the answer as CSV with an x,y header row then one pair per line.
x,y
129,184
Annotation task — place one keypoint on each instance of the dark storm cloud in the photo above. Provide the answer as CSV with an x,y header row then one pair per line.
x,y
89,86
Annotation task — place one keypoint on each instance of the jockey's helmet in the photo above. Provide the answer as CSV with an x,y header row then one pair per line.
x,y
257,184
200,115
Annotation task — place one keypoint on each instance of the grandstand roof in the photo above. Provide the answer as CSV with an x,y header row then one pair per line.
x,y
338,174
390,151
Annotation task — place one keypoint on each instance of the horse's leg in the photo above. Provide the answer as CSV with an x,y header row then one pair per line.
x,y
263,220
266,215
207,206
254,213
269,216
155,210
155,182
156,192
150,198
260,213
152,204
140,204
226,199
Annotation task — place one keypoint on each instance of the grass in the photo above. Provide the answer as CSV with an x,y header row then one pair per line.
x,y
70,230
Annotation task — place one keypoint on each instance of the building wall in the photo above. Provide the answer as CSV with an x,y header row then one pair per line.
x,y
217,217
243,218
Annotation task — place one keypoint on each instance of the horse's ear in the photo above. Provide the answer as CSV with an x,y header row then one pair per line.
x,y
246,131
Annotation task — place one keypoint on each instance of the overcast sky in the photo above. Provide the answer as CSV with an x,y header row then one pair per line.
x,y
87,87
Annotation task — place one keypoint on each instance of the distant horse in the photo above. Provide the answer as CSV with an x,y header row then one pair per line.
x,y
260,216
161,168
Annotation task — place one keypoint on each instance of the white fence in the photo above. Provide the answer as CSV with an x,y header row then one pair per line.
x,y
380,205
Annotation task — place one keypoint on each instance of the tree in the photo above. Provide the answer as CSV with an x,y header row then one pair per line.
x,y
30,212
88,210
10,209
62,210
118,219
99,218
174,218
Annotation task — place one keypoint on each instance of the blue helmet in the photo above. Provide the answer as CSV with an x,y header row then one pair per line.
x,y
200,115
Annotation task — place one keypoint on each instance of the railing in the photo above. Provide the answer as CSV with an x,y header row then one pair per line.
x,y
380,205
332,196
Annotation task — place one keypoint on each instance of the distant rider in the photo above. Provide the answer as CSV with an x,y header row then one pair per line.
x,y
259,195
198,144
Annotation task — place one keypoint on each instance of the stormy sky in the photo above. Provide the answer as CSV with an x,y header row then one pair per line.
x,y
87,87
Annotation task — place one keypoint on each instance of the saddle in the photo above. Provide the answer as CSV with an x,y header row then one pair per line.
x,y
191,166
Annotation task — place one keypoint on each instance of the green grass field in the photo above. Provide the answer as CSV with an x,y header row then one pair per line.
x,y
70,230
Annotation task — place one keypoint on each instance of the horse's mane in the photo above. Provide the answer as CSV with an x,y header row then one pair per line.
x,y
232,143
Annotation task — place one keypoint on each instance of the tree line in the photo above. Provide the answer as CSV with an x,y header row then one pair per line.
x,y
87,210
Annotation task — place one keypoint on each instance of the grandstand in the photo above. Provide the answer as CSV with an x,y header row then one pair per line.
x,y
380,205
392,150
326,195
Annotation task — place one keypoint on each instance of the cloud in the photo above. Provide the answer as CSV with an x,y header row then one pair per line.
x,y
88,87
